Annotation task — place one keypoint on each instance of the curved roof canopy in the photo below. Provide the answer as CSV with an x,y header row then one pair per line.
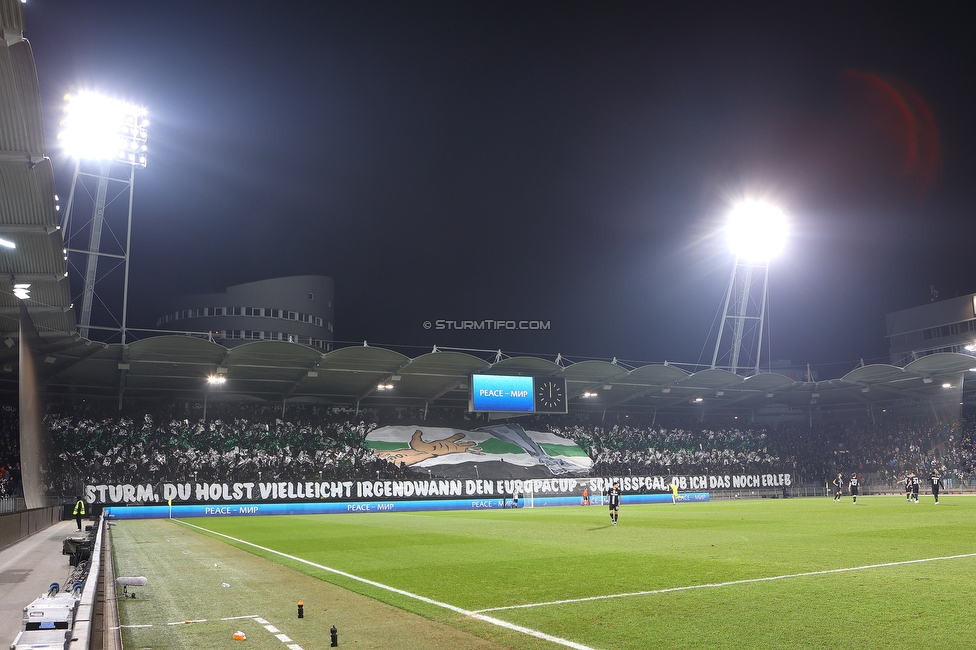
x,y
178,367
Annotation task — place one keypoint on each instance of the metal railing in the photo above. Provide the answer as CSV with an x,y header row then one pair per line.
x,y
18,504
12,504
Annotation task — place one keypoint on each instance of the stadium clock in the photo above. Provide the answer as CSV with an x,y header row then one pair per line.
x,y
550,396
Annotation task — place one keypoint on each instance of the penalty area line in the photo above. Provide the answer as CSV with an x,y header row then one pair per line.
x,y
478,615
730,583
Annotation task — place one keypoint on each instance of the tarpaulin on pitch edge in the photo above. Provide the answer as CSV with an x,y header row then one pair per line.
x,y
502,450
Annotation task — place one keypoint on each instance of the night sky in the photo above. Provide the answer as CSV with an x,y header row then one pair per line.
x,y
564,162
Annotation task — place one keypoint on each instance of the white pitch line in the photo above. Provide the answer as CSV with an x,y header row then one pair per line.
x,y
254,617
430,601
199,620
730,583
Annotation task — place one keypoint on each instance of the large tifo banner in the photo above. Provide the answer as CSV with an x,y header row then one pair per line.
x,y
396,490
497,451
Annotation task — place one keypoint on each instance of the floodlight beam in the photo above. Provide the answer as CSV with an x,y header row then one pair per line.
x,y
756,233
108,132
100,128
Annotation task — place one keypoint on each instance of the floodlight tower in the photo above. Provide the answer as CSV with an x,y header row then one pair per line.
x,y
111,135
756,233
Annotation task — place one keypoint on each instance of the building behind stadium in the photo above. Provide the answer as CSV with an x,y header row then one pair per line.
x,y
295,309
943,326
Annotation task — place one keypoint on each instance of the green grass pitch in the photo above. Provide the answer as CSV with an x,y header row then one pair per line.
x,y
880,574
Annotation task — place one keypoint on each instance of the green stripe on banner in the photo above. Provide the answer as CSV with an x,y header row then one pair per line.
x,y
383,445
496,446
562,450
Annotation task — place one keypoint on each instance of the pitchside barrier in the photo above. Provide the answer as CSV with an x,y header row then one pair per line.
x,y
337,491
186,499
258,509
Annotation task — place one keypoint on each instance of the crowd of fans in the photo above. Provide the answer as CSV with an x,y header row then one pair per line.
x,y
642,449
9,452
235,443
97,444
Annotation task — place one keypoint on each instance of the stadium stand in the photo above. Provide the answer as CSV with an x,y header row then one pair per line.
x,y
247,441
9,454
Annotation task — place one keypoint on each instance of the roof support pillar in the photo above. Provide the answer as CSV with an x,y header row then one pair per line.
x,y
123,370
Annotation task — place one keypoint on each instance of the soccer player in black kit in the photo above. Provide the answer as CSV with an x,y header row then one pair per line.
x,y
838,487
936,484
853,487
915,483
908,487
613,496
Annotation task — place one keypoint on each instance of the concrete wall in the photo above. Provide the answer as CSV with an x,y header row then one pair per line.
x,y
18,525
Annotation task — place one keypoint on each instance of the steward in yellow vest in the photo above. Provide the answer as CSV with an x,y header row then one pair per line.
x,y
79,511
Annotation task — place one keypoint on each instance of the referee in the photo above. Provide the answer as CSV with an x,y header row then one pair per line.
x,y
613,499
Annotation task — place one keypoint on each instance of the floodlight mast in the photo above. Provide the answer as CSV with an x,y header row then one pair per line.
x,y
757,232
111,133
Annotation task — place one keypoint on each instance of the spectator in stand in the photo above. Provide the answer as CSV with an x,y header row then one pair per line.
x,y
98,444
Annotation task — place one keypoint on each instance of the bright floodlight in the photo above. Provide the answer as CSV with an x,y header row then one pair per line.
x,y
756,231
99,128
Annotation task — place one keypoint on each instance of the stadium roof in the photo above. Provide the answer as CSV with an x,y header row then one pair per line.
x,y
28,206
177,367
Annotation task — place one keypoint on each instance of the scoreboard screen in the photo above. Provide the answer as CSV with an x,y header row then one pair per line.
x,y
516,394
